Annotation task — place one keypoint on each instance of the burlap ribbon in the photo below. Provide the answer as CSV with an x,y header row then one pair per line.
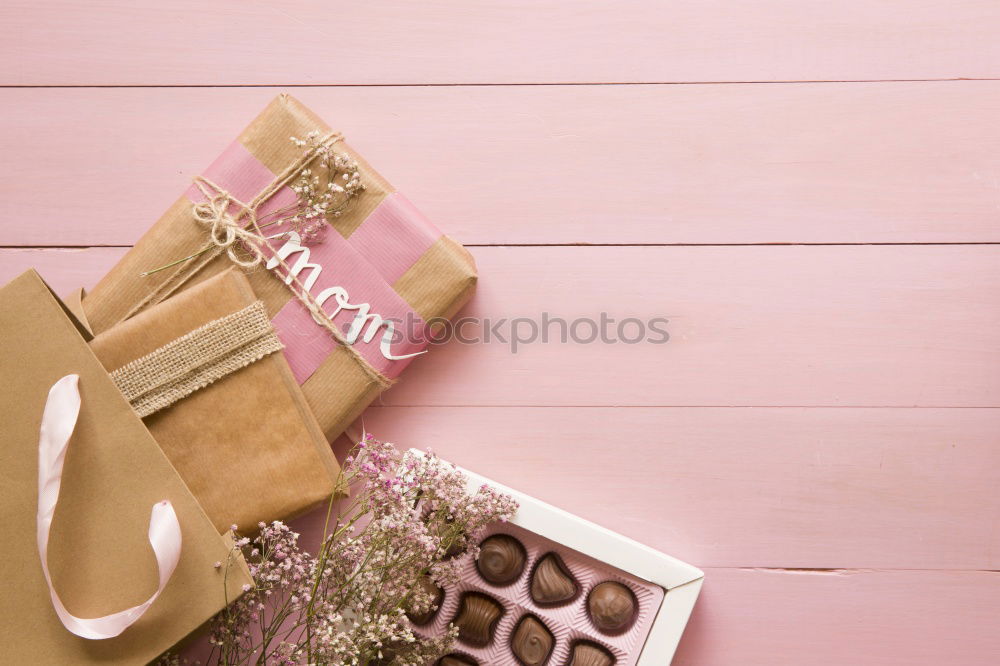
x,y
196,359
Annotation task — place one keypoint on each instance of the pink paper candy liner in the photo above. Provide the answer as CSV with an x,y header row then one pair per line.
x,y
569,623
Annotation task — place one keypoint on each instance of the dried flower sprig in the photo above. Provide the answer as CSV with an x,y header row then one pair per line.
x,y
325,191
325,188
407,517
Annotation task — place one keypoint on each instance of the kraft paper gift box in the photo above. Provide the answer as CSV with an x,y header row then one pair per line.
x,y
99,553
381,261
245,442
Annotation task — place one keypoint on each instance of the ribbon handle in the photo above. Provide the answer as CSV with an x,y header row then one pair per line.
x,y
58,421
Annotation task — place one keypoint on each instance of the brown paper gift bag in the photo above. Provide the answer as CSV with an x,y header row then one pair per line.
x,y
246,445
99,554
390,259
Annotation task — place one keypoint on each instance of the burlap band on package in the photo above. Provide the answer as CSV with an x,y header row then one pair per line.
x,y
196,359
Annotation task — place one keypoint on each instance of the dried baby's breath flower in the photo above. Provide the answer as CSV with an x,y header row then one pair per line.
x,y
406,516
324,189
320,195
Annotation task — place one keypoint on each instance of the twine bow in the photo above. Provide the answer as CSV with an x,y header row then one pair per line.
x,y
226,231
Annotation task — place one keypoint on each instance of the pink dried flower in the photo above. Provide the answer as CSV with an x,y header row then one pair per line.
x,y
406,518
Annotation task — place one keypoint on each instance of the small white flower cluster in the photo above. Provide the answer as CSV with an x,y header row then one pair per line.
x,y
324,188
382,561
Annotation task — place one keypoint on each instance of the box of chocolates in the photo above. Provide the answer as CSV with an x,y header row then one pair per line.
x,y
552,588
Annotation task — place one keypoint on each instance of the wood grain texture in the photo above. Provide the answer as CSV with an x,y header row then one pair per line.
x,y
63,269
763,487
861,618
64,42
820,431
828,326
760,326
810,163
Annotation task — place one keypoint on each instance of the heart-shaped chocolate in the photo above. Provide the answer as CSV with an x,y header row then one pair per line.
x,y
552,584
457,660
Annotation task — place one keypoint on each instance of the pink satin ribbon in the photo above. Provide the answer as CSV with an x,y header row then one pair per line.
x,y
58,422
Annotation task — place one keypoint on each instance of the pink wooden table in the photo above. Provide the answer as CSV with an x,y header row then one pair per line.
x,y
809,191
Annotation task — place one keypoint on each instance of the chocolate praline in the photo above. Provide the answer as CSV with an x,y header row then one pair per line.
x,y
388,655
444,530
427,586
585,653
477,618
532,642
501,559
456,660
552,584
612,607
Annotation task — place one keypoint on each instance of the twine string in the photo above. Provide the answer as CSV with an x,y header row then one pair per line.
x,y
225,230
233,227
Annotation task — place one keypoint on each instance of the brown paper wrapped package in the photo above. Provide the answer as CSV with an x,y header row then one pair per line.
x,y
436,286
247,445
99,555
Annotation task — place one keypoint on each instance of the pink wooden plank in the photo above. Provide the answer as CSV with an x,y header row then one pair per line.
x,y
760,326
766,487
63,269
909,162
861,618
866,326
475,41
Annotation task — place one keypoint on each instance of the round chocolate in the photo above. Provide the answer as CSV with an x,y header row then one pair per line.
x,y
585,653
388,653
477,619
457,547
612,607
445,531
532,642
551,583
501,559
456,660
427,587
